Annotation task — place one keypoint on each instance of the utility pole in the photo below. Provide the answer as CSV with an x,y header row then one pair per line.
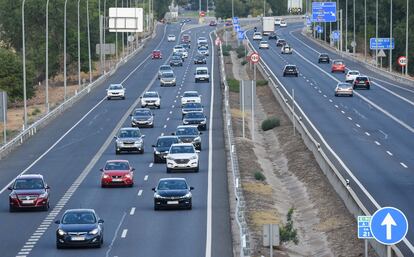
x,y
354,25
89,42
232,9
390,58
341,41
24,68
79,61
376,33
346,26
100,36
365,29
47,59
406,42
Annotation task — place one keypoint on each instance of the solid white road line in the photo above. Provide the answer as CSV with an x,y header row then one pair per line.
x,y
114,237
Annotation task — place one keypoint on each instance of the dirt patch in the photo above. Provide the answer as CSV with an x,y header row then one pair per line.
x,y
293,179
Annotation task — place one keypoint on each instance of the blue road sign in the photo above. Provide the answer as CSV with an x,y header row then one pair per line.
x,y
237,28
240,34
381,43
335,35
389,225
364,228
319,29
235,20
324,11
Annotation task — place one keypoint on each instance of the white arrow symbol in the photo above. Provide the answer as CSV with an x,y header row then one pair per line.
x,y
388,222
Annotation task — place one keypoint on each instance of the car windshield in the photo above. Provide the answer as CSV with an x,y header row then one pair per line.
x,y
165,68
166,142
190,94
290,67
323,55
172,185
353,73
187,131
344,85
117,166
338,62
362,78
29,183
199,57
194,115
182,149
263,42
171,36
79,218
202,48
156,52
178,47
151,94
202,71
142,113
126,133
176,57
168,75
115,87
192,105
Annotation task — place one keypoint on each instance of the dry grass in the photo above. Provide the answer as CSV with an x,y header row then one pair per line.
x,y
257,188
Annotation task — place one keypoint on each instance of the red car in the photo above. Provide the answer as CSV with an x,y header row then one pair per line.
x,y
29,192
338,65
186,38
117,173
156,54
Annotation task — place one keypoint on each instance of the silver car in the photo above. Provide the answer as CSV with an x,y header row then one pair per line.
x,y
168,79
128,140
164,68
344,89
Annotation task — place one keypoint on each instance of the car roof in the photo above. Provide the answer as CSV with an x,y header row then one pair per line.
x,y
191,91
166,137
165,65
166,179
187,126
25,176
129,128
290,65
151,92
343,83
115,84
142,109
80,210
117,161
183,144
201,68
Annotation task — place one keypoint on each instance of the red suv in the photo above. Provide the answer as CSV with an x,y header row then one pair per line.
x,y
156,54
117,173
29,191
338,65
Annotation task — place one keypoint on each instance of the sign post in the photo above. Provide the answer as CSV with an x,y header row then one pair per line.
x,y
271,236
364,230
402,61
3,113
254,58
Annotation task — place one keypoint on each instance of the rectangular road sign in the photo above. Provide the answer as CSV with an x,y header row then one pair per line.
x,y
240,34
126,20
271,235
106,49
364,227
324,11
381,43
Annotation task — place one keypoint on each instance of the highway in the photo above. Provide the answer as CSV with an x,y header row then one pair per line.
x,y
372,132
70,151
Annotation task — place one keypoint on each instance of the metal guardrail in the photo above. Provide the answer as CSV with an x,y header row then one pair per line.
x,y
238,192
331,161
32,129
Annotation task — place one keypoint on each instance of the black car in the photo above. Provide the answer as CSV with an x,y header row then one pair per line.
x,y
162,146
361,82
176,60
323,58
189,134
172,193
280,42
272,35
79,227
191,107
179,54
196,118
29,191
290,70
200,59
142,117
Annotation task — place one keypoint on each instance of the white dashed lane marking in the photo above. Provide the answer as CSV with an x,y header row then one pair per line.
x,y
150,165
124,233
389,153
403,164
132,212
368,134
140,192
356,124
146,178
377,143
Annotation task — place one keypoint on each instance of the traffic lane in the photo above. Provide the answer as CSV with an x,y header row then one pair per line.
x,y
19,159
138,168
69,156
391,86
356,149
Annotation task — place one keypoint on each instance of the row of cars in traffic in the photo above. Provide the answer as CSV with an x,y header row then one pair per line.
x,y
178,151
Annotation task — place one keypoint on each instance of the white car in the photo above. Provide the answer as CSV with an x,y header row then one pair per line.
x,y
283,23
115,91
178,48
286,49
171,38
151,99
257,36
182,156
277,21
201,40
201,74
190,97
202,50
183,52
351,75
263,44
344,89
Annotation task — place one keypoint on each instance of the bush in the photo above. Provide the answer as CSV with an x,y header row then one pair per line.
x,y
261,83
234,85
35,111
270,123
241,52
259,176
244,62
287,232
226,50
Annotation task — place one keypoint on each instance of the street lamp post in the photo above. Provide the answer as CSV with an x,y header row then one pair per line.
x,y
24,67
89,42
391,36
79,62
47,58
406,42
64,53
346,26
376,33
354,25
365,29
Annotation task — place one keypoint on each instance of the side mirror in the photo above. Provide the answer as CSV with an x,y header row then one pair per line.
x,y
173,133
140,97
153,146
201,133
57,221
115,137
132,169
10,188
47,187
101,221
191,188
101,169
142,136
194,73
197,151
153,189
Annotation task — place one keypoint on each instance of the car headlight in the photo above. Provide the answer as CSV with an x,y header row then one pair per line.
x,y
170,158
156,195
194,157
128,176
61,232
94,231
156,152
139,141
173,81
203,122
105,176
43,195
13,196
197,139
185,122
188,195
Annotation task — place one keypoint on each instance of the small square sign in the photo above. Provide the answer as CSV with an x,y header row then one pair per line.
x,y
364,227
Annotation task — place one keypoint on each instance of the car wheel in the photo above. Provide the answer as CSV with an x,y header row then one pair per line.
x,y
123,98
199,148
197,169
46,207
336,94
351,95
103,185
59,245
117,151
142,151
297,75
11,209
168,170
368,87
156,160
159,106
152,126
131,185
156,208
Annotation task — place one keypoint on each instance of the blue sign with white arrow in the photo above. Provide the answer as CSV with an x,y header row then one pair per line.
x,y
335,35
381,43
237,28
319,29
240,34
324,11
235,20
389,225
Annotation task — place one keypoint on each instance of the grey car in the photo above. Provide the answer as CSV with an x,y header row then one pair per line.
x,y
128,140
142,117
168,79
163,69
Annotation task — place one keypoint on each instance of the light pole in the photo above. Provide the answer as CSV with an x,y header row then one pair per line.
x,y
232,9
354,40
24,68
64,53
100,20
376,33
47,57
365,29
79,62
264,8
123,39
406,42
391,35
346,26
89,42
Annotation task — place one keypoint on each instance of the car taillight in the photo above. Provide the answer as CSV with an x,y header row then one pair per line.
x,y
367,82
356,81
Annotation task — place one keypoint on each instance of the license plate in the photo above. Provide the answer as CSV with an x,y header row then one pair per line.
x,y
78,238
116,179
27,201
172,202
